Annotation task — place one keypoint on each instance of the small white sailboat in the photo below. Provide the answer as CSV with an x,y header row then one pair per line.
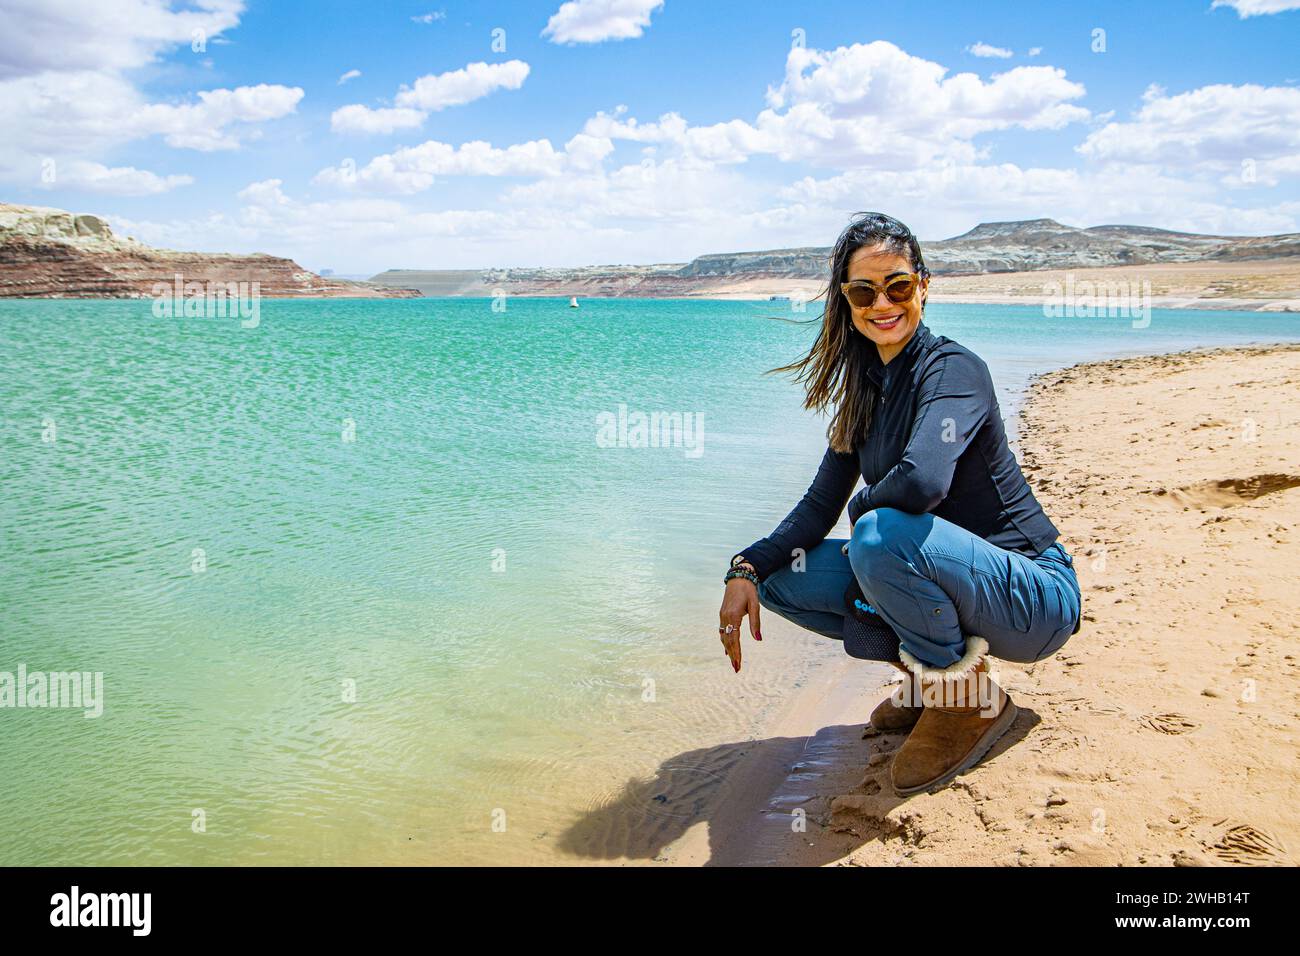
x,y
573,301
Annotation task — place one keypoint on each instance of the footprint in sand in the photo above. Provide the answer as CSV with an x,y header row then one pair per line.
x,y
1229,491
1246,845
1170,723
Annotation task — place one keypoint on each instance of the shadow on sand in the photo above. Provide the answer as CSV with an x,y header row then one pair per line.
x,y
750,794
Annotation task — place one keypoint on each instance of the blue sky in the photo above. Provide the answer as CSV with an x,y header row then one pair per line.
x,y
493,134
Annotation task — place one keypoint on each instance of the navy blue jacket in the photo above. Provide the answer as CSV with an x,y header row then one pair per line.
x,y
936,443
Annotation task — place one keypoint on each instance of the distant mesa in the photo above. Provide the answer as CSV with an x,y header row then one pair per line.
x,y
991,247
50,253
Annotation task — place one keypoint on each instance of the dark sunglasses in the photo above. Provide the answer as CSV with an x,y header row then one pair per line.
x,y
862,293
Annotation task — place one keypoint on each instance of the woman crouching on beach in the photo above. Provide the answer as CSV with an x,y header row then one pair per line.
x,y
951,559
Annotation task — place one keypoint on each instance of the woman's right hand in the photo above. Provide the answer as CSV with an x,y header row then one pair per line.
x,y
740,598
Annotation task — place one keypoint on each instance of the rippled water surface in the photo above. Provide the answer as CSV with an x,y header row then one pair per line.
x,y
365,586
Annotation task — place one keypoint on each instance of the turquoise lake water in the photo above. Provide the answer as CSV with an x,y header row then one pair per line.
x,y
366,584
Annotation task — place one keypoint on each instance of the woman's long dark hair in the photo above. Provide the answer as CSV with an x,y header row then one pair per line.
x,y
834,372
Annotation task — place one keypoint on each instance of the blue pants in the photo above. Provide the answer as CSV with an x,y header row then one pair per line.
x,y
934,582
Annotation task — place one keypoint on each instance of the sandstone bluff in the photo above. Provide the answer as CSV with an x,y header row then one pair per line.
x,y
50,253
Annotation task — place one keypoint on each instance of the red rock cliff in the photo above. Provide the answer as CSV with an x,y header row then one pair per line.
x,y
50,253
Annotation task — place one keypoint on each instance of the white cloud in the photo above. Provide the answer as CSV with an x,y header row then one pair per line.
x,y
115,181
414,169
1211,130
81,116
264,193
1256,8
881,80
457,87
205,125
664,193
670,128
355,234
362,119
981,48
594,21
80,35
939,203
1035,50
349,75
870,104
430,94
64,94
430,17
586,152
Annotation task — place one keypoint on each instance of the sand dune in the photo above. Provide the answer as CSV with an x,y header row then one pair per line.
x,y
1165,731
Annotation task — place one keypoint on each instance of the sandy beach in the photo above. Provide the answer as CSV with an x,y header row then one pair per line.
x,y
1164,733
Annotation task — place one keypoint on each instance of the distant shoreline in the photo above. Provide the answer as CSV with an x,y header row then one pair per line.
x,y
52,253
1263,285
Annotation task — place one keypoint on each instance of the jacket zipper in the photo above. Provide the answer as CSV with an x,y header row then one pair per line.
x,y
875,450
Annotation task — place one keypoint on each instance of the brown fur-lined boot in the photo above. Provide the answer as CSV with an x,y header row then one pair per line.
x,y
901,709
964,715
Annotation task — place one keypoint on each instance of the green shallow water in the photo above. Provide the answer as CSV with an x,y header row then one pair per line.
x,y
525,614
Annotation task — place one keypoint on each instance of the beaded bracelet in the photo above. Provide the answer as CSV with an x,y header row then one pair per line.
x,y
740,572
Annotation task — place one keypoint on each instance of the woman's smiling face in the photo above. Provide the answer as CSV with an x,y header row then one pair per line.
x,y
888,324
